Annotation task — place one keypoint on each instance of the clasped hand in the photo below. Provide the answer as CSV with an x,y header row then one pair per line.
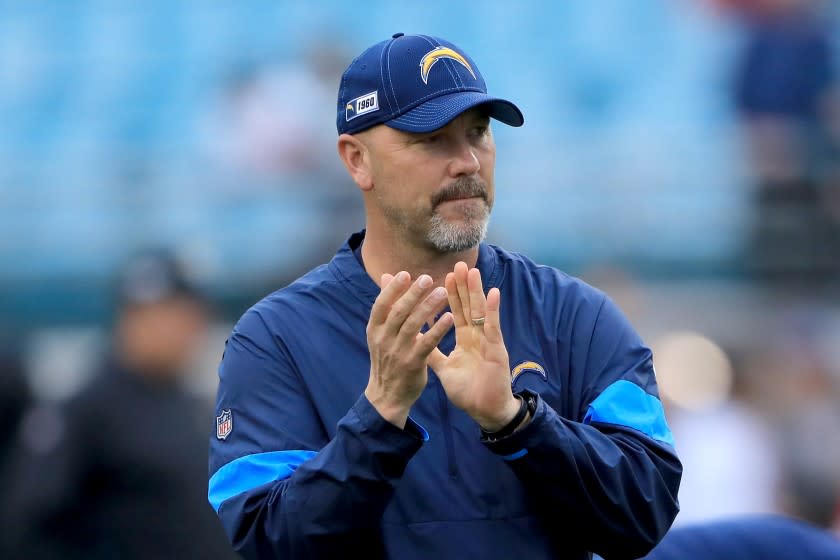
x,y
475,375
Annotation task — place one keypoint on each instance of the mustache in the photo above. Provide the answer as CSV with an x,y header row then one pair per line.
x,y
462,188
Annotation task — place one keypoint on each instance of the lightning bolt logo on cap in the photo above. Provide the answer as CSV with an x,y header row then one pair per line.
x,y
438,53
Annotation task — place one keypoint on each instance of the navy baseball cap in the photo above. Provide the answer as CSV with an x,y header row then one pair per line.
x,y
155,275
414,83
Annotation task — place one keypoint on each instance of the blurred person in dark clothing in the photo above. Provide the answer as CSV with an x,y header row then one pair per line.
x,y
119,470
15,398
785,94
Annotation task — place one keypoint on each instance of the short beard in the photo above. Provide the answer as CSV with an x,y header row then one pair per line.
x,y
447,237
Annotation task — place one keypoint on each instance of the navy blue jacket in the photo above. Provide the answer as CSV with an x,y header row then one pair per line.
x,y
302,465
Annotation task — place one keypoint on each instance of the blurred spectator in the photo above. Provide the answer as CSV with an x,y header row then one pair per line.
x,y
789,381
269,122
767,537
14,400
811,464
807,435
729,455
785,93
272,129
119,471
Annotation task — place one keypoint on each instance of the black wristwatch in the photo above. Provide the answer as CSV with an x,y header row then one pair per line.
x,y
526,404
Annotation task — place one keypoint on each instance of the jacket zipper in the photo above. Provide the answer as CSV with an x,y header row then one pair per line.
x,y
447,430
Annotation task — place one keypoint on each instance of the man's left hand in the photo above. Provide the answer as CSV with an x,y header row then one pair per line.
x,y
476,374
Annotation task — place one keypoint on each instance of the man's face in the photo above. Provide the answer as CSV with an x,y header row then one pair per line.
x,y
162,336
435,189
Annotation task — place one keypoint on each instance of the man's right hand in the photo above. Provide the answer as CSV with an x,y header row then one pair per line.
x,y
398,350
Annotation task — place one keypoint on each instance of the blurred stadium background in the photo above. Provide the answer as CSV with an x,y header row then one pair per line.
x,y
680,154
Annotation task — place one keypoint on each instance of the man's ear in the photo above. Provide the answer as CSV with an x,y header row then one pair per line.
x,y
356,158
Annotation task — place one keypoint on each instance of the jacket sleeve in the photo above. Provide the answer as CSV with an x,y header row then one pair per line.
x,y
280,486
610,474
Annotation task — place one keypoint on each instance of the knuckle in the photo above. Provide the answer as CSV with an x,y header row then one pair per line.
x,y
432,303
375,339
412,325
417,291
403,307
379,303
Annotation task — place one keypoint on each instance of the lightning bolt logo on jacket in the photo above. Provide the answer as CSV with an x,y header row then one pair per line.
x,y
527,366
438,53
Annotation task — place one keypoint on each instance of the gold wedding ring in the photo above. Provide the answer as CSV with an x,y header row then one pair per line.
x,y
478,322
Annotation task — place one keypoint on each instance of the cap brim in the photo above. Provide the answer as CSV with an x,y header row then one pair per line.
x,y
440,111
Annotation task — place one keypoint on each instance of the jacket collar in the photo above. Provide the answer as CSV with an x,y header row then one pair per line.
x,y
348,268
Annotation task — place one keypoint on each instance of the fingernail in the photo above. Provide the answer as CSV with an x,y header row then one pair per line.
x,y
402,276
439,292
424,281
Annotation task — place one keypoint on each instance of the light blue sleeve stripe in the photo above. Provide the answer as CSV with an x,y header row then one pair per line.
x,y
250,471
626,404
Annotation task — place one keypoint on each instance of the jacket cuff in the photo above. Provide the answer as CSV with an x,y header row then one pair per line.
x,y
517,444
409,439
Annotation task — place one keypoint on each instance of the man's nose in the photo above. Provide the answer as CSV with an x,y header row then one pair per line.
x,y
464,160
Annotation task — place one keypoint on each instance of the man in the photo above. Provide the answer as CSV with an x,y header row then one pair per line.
x,y
116,471
352,419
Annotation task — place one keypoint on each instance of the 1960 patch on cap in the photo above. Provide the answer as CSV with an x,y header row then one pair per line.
x,y
224,424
